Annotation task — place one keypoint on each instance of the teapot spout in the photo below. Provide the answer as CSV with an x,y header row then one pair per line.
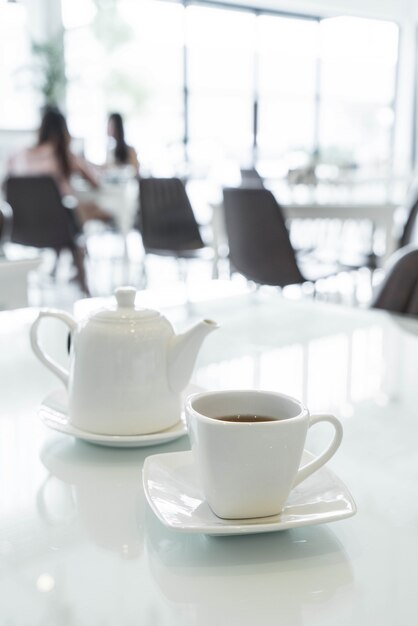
x,y
183,351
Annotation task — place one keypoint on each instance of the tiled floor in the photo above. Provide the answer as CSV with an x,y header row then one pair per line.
x,y
107,269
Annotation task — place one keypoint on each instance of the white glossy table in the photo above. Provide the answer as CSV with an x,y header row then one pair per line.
x,y
79,545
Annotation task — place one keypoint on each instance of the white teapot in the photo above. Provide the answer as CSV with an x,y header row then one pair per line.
x,y
127,367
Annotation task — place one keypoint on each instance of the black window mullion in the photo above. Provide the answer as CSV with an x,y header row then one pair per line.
x,y
317,101
185,88
256,93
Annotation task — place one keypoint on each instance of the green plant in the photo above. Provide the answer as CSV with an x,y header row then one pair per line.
x,y
49,70
123,91
120,84
109,28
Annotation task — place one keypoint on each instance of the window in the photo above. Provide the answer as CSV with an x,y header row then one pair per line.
x,y
220,53
18,102
126,57
286,85
212,84
357,89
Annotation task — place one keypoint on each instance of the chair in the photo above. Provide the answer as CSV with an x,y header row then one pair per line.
x,y
41,221
259,242
398,292
409,226
250,178
6,220
407,237
166,219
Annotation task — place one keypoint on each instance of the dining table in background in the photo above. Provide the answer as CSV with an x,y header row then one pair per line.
x,y
79,544
381,216
118,195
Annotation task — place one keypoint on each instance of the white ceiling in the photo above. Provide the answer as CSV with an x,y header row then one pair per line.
x,y
386,9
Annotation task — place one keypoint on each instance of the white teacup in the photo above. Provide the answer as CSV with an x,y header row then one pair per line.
x,y
248,468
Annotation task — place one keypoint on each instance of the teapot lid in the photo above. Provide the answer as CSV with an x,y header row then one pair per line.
x,y
125,308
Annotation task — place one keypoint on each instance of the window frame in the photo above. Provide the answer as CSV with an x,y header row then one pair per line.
x,y
184,88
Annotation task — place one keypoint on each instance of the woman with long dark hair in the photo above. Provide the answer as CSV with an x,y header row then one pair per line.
x,y
52,156
119,153
53,132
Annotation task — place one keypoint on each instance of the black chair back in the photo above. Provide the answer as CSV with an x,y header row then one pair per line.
x,y
39,218
251,178
409,227
167,221
398,292
6,221
259,242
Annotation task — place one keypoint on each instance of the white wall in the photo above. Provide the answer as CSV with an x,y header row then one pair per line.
x,y
404,122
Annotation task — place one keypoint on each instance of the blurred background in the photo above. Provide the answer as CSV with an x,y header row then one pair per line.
x,y
205,84
317,97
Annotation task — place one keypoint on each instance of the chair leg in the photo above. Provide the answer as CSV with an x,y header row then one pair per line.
x,y
215,268
182,269
144,274
55,266
78,257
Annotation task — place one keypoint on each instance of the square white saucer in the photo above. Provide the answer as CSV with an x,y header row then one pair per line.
x,y
174,494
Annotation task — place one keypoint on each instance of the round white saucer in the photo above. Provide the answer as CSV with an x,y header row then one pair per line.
x,y
174,494
54,414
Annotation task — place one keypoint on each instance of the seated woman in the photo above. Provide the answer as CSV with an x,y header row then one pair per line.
x,y
52,156
119,152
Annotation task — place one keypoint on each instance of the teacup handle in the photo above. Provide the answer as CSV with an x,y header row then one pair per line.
x,y
314,465
55,368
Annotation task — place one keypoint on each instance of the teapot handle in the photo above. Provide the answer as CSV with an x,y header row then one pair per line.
x,y
55,368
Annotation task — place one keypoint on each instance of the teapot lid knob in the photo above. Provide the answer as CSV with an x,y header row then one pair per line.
x,y
125,297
